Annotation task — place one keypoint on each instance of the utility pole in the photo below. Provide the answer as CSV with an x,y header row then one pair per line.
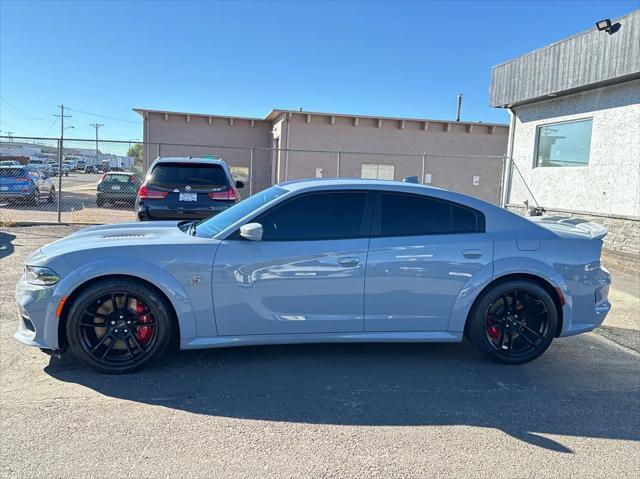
x,y
60,148
9,134
96,126
459,106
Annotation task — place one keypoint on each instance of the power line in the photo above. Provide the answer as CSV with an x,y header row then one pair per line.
x,y
14,109
104,116
55,120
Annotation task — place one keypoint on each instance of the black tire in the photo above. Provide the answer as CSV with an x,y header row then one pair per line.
x,y
52,195
35,196
513,322
100,203
110,341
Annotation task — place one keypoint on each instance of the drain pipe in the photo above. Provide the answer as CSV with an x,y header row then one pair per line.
x,y
508,167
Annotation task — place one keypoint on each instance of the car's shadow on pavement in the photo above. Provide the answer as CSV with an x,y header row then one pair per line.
x,y
6,244
581,387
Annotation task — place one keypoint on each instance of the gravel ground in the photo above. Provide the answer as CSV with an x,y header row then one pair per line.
x,y
319,411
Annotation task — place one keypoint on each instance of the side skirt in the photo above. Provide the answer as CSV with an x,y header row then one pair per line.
x,y
364,337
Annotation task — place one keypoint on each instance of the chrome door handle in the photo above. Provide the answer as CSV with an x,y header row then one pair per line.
x,y
471,253
348,261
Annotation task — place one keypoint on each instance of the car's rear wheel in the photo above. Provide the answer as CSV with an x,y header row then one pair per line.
x,y
118,325
513,322
52,195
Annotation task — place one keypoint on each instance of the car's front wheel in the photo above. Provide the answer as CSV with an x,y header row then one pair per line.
x,y
513,322
118,325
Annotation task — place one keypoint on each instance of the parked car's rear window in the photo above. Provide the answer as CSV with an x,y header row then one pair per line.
x,y
197,175
11,172
119,178
408,215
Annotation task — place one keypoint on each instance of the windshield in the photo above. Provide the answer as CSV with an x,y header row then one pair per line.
x,y
214,225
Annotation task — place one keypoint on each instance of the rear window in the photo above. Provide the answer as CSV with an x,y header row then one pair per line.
x,y
119,178
11,172
413,215
197,175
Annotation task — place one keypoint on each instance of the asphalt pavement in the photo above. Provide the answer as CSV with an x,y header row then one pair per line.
x,y
388,411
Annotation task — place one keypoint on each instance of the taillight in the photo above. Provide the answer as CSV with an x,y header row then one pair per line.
x,y
229,195
102,178
145,193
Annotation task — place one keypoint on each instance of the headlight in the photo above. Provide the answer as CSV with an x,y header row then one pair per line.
x,y
40,276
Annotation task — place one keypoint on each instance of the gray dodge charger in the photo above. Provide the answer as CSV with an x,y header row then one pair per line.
x,y
317,261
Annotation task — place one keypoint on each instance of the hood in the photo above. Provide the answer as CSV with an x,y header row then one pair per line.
x,y
570,227
120,235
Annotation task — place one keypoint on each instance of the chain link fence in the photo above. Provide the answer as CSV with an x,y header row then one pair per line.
x,y
99,180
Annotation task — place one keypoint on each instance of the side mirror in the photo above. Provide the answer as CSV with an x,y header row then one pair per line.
x,y
251,231
239,184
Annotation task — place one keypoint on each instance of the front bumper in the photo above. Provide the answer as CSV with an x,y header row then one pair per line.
x,y
37,324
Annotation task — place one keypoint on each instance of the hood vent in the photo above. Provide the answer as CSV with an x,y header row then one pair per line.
x,y
124,236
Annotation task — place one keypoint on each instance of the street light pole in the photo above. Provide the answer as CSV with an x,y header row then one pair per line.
x,y
60,148
96,126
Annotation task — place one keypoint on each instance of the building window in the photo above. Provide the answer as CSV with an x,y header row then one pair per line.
x,y
378,172
564,144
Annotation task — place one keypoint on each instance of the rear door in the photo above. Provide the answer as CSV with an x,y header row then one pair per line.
x,y
422,253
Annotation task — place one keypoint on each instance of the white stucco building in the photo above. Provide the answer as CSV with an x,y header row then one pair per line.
x,y
574,138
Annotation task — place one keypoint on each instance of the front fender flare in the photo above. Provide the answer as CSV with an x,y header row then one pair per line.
x,y
136,268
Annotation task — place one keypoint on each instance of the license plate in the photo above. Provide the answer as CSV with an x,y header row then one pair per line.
x,y
188,196
4,188
115,187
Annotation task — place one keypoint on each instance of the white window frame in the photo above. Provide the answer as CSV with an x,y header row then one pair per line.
x,y
537,142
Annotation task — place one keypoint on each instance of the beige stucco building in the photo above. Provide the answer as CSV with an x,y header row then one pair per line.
x,y
464,156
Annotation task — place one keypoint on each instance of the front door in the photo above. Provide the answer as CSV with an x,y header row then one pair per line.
x,y
423,251
305,276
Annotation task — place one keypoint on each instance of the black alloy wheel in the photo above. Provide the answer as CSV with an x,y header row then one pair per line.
x,y
514,322
118,325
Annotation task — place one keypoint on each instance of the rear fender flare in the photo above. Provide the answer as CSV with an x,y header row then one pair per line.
x,y
499,269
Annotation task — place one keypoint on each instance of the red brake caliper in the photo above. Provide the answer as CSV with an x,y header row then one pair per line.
x,y
493,331
143,332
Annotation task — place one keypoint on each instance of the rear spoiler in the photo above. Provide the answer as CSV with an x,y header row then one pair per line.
x,y
572,224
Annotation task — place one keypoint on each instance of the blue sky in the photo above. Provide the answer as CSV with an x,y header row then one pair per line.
x,y
244,58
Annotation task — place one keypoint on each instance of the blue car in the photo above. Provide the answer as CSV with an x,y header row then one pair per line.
x,y
318,261
24,183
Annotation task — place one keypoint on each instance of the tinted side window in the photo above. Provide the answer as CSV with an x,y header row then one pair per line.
x,y
318,216
405,215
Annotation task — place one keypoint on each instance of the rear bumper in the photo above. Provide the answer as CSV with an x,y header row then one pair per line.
x,y
122,197
147,213
15,195
590,300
